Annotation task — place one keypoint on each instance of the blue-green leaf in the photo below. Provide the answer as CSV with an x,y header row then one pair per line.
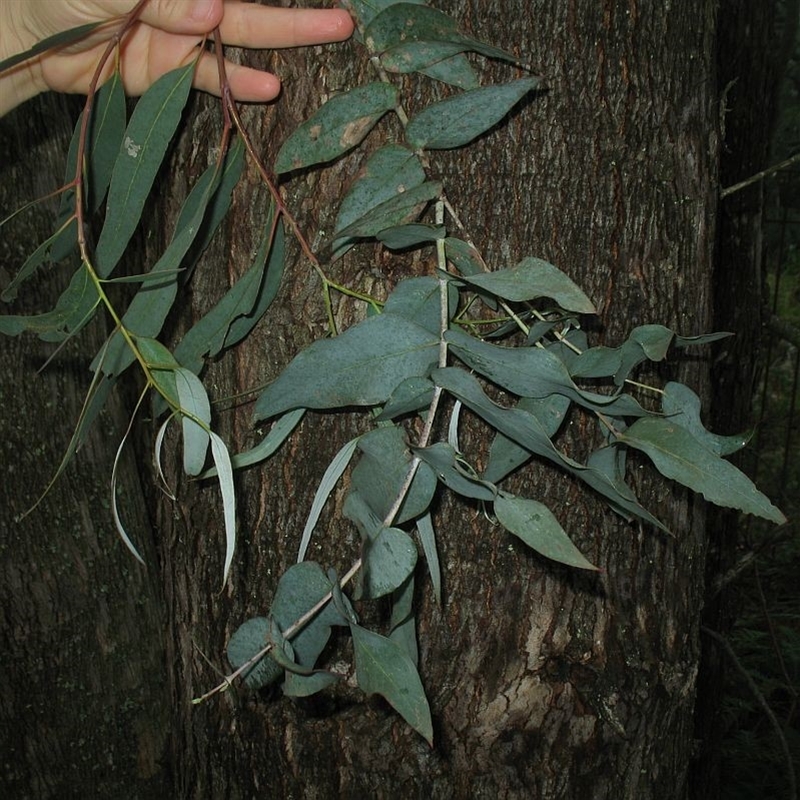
x,y
427,538
458,120
534,523
384,668
336,127
441,457
530,279
388,560
678,455
250,638
222,461
361,367
194,405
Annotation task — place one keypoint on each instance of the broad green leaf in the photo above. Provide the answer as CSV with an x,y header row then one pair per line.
x,y
250,638
300,588
361,367
682,406
155,355
427,538
240,309
454,71
464,257
534,372
419,300
194,405
306,685
441,457
505,455
336,127
151,129
388,560
401,208
527,431
678,455
530,279
390,171
410,396
411,37
60,39
381,472
382,667
328,483
410,235
366,10
535,524
458,120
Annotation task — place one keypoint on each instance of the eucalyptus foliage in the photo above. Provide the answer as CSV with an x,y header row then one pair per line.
x,y
426,342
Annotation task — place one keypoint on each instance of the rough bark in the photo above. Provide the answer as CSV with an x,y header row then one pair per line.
x,y
82,704
543,682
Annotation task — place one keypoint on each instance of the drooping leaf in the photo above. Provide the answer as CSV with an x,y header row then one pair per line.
x,y
534,523
458,120
682,406
222,461
402,625
388,560
148,310
382,667
194,406
336,127
278,434
250,638
144,146
381,472
530,279
329,480
105,131
361,367
427,538
240,309
678,455
527,431
39,256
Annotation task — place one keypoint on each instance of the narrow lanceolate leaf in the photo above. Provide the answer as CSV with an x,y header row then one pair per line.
x,y
222,462
384,668
338,126
427,538
678,455
150,307
143,148
361,367
329,480
60,39
458,120
535,524
530,279
196,418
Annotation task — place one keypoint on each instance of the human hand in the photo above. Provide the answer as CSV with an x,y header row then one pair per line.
x,y
166,36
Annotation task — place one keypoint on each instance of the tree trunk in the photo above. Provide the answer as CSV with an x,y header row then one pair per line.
x,y
83,709
543,682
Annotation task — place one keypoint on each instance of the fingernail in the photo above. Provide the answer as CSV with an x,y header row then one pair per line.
x,y
203,10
